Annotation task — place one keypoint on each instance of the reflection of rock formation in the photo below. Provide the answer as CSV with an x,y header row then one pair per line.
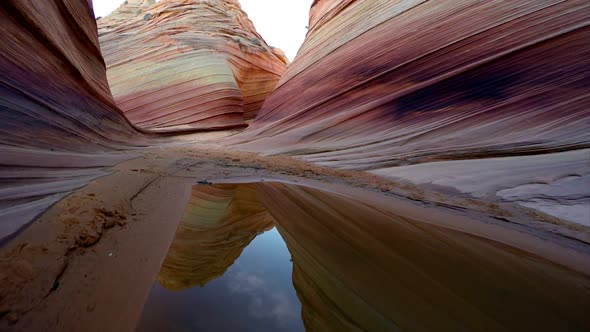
x,y
219,222
58,121
187,64
381,83
360,266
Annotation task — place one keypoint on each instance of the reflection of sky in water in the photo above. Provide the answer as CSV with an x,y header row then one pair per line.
x,y
255,294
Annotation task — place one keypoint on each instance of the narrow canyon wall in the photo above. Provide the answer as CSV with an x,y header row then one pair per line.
x,y
58,122
187,64
380,84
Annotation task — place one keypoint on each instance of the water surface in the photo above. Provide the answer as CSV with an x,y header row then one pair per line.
x,y
256,293
358,263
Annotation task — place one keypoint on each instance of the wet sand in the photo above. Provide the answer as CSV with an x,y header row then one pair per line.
x,y
92,258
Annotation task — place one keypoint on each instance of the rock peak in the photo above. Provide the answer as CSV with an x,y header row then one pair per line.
x,y
188,64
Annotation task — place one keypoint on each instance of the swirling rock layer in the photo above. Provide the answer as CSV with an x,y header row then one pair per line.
x,y
58,122
187,64
388,83
415,81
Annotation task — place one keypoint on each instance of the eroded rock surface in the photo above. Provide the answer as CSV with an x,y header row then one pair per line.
x,y
58,122
382,83
187,64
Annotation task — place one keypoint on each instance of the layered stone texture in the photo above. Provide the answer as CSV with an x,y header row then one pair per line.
x,y
555,183
364,263
218,223
58,122
187,64
383,83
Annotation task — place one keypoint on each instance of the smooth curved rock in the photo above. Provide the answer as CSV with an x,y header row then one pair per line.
x,y
555,183
383,83
58,122
187,64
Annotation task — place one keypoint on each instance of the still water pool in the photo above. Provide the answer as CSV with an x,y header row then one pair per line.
x,y
282,257
255,294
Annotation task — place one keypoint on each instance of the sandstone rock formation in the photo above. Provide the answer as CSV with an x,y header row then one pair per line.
x,y
379,84
58,122
219,222
187,64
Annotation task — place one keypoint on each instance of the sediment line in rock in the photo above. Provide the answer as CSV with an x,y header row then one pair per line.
x,y
187,64
379,84
59,125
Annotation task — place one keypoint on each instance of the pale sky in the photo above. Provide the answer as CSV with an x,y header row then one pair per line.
x,y
280,22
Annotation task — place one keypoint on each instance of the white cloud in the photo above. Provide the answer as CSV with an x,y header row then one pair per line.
x,y
266,301
280,22
245,283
